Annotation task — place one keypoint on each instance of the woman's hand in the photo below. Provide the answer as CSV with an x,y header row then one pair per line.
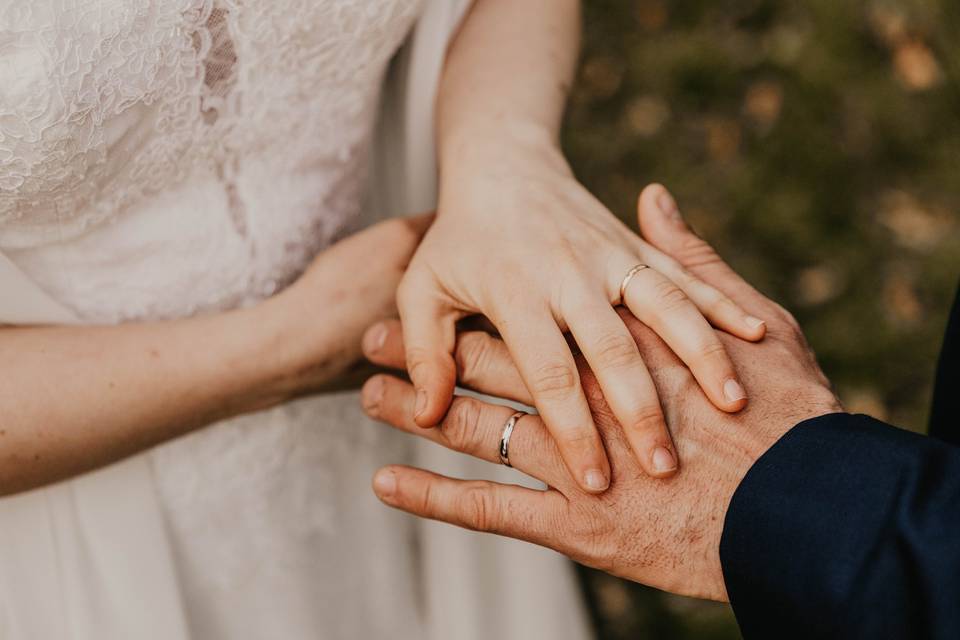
x,y
663,534
315,325
522,243
85,396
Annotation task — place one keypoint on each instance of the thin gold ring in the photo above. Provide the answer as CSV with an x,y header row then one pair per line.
x,y
627,278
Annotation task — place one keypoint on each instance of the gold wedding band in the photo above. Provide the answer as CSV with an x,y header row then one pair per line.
x,y
627,278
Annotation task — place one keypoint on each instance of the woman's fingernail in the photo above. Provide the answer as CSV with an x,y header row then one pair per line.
x,y
421,403
375,339
663,460
755,323
733,390
668,207
373,396
595,480
385,483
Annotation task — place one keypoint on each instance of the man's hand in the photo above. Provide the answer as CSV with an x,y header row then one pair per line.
x,y
664,533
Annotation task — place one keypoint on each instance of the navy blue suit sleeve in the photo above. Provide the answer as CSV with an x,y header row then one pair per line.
x,y
946,401
847,528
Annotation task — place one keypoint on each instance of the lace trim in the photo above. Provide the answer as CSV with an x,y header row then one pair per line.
x,y
115,100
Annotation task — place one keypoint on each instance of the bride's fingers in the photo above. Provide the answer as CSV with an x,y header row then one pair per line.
x,y
550,374
483,361
508,510
614,358
722,312
719,309
429,331
472,427
665,308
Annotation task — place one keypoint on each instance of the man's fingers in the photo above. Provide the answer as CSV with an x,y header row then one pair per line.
x,y
615,360
482,360
472,427
429,334
506,510
550,374
484,364
662,225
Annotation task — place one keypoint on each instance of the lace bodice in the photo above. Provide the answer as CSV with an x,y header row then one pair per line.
x,y
162,156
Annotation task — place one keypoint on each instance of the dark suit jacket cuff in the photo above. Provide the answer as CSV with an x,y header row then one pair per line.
x,y
804,519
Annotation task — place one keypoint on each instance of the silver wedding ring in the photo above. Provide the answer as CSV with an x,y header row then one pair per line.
x,y
505,438
627,278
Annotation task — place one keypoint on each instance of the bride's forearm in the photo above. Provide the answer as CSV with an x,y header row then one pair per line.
x,y
506,80
78,398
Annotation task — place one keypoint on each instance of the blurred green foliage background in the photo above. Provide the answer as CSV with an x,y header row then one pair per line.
x,y
816,145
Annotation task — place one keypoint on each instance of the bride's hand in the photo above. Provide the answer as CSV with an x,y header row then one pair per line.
x,y
315,325
664,534
528,247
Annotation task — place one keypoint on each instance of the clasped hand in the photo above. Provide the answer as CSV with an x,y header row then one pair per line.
x,y
525,245
664,533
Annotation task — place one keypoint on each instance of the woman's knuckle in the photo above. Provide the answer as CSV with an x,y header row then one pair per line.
x,y
670,297
723,304
648,418
579,441
554,380
574,293
711,350
617,350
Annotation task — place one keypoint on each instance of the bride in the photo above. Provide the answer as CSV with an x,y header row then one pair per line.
x,y
174,176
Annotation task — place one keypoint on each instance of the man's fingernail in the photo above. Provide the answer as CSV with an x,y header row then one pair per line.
x,y
663,460
385,483
668,207
375,339
421,403
595,480
755,323
373,396
733,390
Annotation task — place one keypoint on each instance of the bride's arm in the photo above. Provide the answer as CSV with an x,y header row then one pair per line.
x,y
507,76
77,398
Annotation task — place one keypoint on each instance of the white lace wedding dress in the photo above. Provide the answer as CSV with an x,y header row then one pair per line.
x,y
162,158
